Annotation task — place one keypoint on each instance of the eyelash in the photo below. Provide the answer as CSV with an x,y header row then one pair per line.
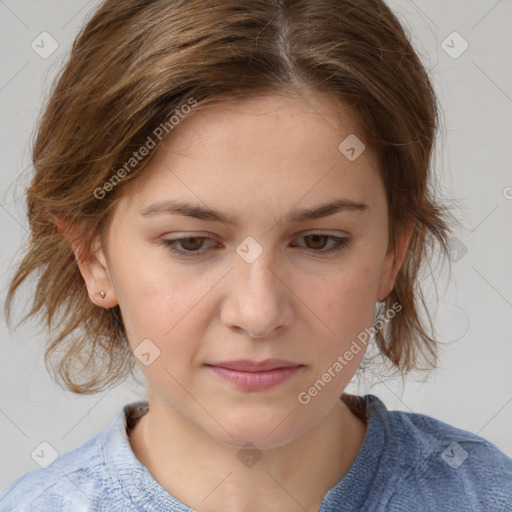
x,y
172,245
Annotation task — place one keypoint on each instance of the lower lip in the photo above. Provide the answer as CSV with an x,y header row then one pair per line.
x,y
255,381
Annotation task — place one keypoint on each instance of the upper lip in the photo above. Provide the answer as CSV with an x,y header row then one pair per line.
x,y
255,366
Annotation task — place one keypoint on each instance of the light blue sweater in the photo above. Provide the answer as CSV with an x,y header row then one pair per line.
x,y
408,462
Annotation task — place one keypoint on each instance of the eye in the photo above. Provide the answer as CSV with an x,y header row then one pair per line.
x,y
320,239
191,246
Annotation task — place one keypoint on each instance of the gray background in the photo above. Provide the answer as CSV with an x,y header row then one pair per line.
x,y
472,389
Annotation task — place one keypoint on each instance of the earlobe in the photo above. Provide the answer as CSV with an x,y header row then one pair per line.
x,y
93,267
394,260
95,271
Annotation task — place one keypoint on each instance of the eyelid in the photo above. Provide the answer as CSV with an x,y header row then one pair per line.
x,y
340,242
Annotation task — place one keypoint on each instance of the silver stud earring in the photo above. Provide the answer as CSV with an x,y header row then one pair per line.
x,y
102,294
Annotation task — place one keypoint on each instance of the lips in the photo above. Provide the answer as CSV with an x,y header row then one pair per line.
x,y
246,365
255,376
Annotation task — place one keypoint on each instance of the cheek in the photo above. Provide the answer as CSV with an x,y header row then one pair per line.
x,y
150,296
164,305
344,312
344,301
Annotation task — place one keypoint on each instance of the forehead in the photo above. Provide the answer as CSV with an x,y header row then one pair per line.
x,y
273,149
283,122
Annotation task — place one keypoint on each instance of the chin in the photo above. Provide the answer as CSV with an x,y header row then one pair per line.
x,y
263,433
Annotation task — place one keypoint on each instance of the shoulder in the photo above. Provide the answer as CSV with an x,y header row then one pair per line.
x,y
441,464
77,480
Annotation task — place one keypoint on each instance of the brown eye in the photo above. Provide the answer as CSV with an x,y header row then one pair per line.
x,y
318,241
192,243
187,246
192,246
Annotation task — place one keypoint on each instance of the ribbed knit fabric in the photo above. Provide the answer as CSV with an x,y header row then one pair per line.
x,y
406,463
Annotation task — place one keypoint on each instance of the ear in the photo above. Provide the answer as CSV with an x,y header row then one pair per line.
x,y
92,264
393,261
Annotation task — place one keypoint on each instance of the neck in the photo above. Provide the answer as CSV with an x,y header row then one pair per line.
x,y
207,475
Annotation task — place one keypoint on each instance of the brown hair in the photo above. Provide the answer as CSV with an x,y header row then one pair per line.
x,y
137,61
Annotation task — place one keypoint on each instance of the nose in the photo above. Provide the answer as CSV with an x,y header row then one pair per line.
x,y
259,301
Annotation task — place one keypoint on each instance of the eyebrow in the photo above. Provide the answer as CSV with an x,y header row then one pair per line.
x,y
185,209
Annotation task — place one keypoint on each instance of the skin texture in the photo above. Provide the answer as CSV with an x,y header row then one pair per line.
x,y
257,160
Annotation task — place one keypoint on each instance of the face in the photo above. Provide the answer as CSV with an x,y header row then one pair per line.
x,y
261,282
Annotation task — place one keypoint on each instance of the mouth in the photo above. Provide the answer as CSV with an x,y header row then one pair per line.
x,y
255,376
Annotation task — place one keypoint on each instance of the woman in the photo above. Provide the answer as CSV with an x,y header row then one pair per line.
x,y
223,193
